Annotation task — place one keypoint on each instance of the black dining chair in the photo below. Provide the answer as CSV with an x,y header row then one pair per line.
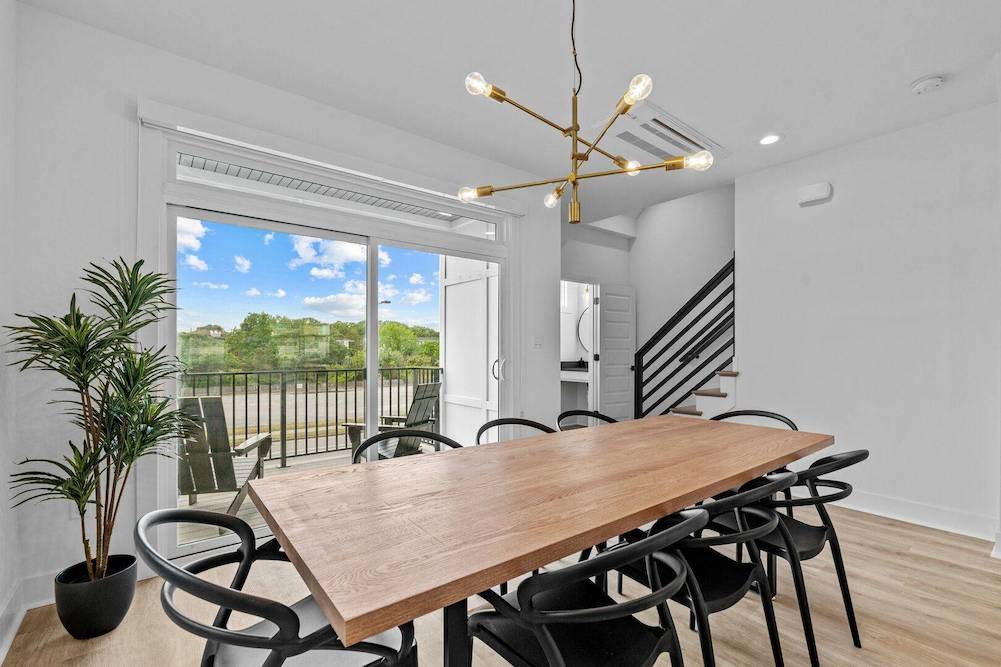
x,y
512,421
408,442
298,635
589,414
796,541
717,582
561,618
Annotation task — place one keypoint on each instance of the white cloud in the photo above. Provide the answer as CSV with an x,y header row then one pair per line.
x,y
414,297
279,293
416,279
354,286
253,291
189,234
326,273
241,264
208,285
268,238
195,263
384,258
391,277
386,291
345,306
325,253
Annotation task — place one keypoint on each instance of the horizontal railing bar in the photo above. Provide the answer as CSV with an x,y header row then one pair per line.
x,y
688,377
687,345
698,385
688,307
713,335
723,294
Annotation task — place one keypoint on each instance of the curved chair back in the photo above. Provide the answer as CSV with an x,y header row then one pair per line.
x,y
512,421
652,548
282,644
812,478
747,500
592,414
756,413
411,435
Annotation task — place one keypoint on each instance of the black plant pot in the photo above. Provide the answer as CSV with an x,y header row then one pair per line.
x,y
92,608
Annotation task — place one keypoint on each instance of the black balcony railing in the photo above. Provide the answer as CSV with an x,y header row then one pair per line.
x,y
304,410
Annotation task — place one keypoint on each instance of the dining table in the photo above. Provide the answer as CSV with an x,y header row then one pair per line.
x,y
381,543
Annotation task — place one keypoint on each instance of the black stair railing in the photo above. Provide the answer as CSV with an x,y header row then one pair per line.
x,y
665,372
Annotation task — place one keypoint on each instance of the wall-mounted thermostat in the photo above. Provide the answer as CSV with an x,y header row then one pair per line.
x,y
818,193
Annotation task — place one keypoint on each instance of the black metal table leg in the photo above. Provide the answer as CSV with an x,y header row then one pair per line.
x,y
456,645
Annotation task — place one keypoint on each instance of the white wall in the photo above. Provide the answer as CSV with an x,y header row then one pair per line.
x,y
9,542
679,245
76,148
876,316
594,255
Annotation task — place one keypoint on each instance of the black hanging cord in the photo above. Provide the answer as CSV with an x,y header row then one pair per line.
x,y
573,46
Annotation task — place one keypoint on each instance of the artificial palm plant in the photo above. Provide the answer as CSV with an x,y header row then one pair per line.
x,y
116,398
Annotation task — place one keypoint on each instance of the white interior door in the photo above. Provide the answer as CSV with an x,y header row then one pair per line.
x,y
469,342
617,336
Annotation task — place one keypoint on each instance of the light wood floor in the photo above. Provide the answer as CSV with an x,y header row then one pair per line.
x,y
923,597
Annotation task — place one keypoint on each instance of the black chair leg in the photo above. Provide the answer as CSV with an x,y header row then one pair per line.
x,y
804,608
503,588
773,575
691,620
773,628
839,566
701,617
619,587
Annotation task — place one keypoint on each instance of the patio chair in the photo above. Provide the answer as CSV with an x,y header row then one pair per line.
x,y
206,462
421,415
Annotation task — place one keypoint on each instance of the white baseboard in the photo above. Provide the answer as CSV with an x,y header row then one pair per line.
x,y
997,547
11,614
933,516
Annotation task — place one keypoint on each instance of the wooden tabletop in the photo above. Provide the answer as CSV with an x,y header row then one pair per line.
x,y
381,543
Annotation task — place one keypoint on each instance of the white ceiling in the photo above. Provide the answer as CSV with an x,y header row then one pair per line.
x,y
820,72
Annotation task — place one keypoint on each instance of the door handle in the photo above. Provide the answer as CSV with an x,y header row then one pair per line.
x,y
494,368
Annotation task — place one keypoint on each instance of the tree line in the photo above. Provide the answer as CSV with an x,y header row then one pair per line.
x,y
264,342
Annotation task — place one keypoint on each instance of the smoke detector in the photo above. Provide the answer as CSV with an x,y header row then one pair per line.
x,y
927,84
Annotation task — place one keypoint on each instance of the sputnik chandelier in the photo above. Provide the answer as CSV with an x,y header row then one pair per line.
x,y
639,90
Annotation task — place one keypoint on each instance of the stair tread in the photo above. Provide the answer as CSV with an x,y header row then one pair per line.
x,y
728,374
714,392
687,410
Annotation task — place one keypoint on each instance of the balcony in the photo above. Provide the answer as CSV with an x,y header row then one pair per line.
x,y
304,410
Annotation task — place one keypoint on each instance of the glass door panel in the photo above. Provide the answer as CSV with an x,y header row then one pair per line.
x,y
271,333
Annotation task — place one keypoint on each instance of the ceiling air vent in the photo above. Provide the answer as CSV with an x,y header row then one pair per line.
x,y
659,134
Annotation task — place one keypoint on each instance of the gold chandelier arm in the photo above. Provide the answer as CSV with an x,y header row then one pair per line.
x,y
532,184
501,96
601,135
670,164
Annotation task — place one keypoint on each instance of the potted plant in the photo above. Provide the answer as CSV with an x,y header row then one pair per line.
x,y
113,389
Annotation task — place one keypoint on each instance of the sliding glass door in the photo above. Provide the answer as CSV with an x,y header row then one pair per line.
x,y
274,328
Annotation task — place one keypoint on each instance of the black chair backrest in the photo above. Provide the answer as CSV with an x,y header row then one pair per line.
x,y
283,643
756,413
405,436
652,549
512,421
593,414
745,500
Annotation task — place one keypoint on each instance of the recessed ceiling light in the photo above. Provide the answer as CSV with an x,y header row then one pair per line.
x,y
927,84
769,139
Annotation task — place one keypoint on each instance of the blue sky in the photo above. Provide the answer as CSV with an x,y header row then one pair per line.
x,y
226,271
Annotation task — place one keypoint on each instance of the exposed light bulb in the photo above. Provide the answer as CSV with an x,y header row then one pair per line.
x,y
632,168
476,84
639,89
551,200
467,194
699,161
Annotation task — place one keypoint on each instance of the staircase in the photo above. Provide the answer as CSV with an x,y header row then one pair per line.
x,y
686,367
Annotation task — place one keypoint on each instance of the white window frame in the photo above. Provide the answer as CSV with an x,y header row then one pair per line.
x,y
164,131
